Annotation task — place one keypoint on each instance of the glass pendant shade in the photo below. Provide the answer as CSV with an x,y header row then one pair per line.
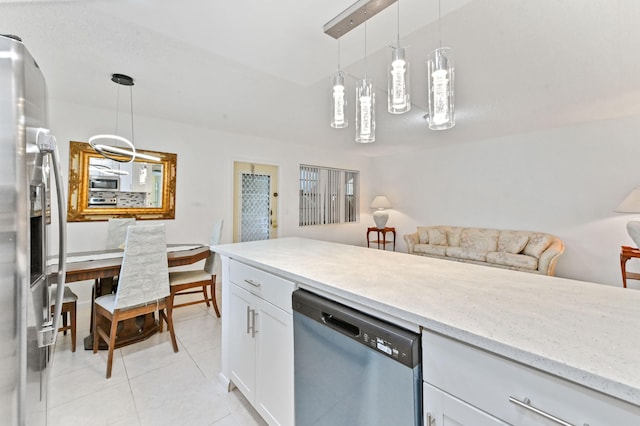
x,y
398,83
440,76
365,112
338,102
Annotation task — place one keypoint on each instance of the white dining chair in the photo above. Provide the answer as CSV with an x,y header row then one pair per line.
x,y
116,236
117,231
143,288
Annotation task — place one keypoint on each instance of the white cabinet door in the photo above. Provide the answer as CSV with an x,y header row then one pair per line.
x,y
274,364
442,409
242,349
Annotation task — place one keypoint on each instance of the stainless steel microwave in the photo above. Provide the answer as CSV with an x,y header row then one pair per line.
x,y
104,183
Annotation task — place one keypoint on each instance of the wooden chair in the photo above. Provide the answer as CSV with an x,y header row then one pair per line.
x,y
143,288
69,303
190,282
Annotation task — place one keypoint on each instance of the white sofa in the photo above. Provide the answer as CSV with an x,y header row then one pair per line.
x,y
525,251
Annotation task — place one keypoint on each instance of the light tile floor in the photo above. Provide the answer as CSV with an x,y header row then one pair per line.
x,y
150,384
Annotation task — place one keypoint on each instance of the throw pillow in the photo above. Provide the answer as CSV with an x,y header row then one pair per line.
x,y
512,241
423,234
537,244
437,237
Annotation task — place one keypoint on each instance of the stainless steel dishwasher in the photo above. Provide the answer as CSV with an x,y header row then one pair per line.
x,y
351,368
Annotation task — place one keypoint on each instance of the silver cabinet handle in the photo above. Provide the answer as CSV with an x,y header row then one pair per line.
x,y
253,326
526,404
253,283
248,319
431,421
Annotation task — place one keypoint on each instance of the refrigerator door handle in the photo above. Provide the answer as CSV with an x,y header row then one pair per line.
x,y
47,144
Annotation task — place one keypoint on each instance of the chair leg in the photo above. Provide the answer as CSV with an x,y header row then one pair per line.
x,y
72,312
94,328
112,342
206,296
214,299
64,323
161,316
94,293
169,307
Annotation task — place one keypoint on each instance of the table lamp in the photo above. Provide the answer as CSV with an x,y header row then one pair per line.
x,y
380,216
631,204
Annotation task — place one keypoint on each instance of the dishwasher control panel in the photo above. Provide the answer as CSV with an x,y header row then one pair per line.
x,y
386,338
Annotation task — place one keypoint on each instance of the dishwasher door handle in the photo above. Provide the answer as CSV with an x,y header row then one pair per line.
x,y
340,325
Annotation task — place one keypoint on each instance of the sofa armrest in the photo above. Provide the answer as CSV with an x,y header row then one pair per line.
x,y
549,257
411,240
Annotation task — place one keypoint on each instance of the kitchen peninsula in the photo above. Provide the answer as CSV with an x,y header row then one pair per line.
x,y
581,339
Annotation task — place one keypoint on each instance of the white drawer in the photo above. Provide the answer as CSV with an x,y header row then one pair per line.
x,y
269,287
487,381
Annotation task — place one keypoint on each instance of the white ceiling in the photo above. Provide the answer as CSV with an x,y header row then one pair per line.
x,y
263,67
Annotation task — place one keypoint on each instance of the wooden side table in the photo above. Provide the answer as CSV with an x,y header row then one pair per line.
x,y
384,241
627,253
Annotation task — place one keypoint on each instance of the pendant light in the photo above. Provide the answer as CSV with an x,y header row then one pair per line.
x,y
440,75
113,152
338,98
365,103
398,78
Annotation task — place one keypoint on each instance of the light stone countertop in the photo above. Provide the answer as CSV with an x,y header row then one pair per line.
x,y
584,332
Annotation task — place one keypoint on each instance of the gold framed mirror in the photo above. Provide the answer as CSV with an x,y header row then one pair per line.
x,y
100,188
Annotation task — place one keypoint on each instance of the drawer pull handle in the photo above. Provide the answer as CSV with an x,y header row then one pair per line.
x,y
253,326
253,283
249,319
526,404
431,421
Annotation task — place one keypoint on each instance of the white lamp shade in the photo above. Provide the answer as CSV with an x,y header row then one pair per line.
x,y
631,204
380,202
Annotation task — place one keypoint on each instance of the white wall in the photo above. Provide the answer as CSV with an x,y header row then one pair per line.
x,y
205,176
565,181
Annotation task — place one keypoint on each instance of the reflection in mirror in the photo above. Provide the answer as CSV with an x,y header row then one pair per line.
x,y
124,185
101,188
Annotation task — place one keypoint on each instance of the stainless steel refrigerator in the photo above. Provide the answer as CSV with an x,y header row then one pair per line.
x,y
28,155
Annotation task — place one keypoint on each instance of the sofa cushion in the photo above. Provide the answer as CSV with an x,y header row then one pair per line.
x,y
537,244
479,239
430,249
423,234
453,236
512,241
437,237
466,253
521,261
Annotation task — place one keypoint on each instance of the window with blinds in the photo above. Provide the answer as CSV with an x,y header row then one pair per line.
x,y
328,195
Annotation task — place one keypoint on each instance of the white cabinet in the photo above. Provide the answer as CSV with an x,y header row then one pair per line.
x,y
442,409
260,341
476,387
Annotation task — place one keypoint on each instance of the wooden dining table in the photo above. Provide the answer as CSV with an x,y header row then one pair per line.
x,y
102,266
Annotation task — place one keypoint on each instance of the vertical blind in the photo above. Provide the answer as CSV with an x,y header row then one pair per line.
x,y
328,195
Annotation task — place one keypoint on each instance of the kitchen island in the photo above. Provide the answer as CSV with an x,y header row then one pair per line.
x,y
584,333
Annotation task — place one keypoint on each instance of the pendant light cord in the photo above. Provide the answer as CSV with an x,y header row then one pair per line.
x,y
439,24
365,45
131,103
398,23
117,107
338,53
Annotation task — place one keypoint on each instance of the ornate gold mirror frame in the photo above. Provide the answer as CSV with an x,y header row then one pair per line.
x,y
80,153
